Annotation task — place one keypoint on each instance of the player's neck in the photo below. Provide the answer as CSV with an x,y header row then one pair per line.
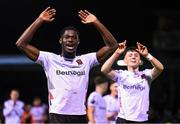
x,y
114,95
132,69
99,90
68,55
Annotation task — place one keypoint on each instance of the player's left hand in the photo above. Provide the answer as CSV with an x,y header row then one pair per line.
x,y
142,49
87,17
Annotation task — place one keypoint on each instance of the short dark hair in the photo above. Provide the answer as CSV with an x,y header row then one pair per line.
x,y
15,89
112,82
69,28
100,80
132,49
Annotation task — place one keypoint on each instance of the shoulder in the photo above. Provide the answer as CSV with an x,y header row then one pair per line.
x,y
106,96
87,55
21,103
7,102
93,94
48,53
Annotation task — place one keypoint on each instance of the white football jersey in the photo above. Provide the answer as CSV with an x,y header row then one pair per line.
x,y
134,89
96,100
67,81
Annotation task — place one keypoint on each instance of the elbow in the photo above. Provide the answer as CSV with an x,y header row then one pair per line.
x,y
104,71
19,45
113,46
162,68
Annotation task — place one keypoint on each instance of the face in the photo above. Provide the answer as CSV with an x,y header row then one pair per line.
x,y
69,41
132,59
14,95
104,86
114,88
36,102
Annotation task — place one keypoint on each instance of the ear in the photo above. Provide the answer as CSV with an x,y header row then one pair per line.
x,y
125,60
60,40
141,62
78,41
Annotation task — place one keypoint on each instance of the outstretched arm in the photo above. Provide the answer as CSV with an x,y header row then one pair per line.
x,y
157,65
107,66
23,42
109,40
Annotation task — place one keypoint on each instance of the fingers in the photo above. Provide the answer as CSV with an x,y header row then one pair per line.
x,y
83,14
51,11
83,21
138,46
52,19
141,48
87,12
47,9
122,45
124,41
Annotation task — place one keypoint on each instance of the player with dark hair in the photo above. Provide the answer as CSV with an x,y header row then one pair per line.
x,y
67,74
134,85
96,104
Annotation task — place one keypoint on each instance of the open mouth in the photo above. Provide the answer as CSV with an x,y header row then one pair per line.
x,y
133,61
70,47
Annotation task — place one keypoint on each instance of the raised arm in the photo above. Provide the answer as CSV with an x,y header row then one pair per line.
x,y
157,65
107,66
23,42
109,40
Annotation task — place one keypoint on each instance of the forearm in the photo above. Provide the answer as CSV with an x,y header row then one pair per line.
x,y
90,114
108,38
28,33
111,115
156,63
7,111
106,67
157,66
91,118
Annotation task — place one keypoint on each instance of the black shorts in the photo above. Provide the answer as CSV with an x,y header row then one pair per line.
x,y
121,121
59,118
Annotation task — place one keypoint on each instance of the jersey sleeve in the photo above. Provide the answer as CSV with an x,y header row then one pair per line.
x,y
91,100
117,76
92,59
43,58
148,75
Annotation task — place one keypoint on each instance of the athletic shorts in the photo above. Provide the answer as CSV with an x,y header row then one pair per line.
x,y
59,118
121,121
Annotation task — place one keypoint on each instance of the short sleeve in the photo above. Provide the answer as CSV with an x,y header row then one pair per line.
x,y
91,100
148,74
92,59
43,58
118,74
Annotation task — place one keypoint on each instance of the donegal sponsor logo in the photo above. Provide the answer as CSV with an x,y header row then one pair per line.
x,y
136,87
78,73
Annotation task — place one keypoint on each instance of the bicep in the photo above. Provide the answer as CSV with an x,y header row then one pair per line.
x,y
111,74
90,111
30,51
103,53
155,73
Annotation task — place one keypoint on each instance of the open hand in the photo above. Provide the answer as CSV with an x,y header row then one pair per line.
x,y
48,14
87,17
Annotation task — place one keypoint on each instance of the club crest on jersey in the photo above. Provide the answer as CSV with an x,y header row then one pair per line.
x,y
79,62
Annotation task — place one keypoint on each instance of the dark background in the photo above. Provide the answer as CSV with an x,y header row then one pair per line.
x,y
154,23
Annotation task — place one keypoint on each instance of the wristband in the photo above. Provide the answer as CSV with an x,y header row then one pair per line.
x,y
149,57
